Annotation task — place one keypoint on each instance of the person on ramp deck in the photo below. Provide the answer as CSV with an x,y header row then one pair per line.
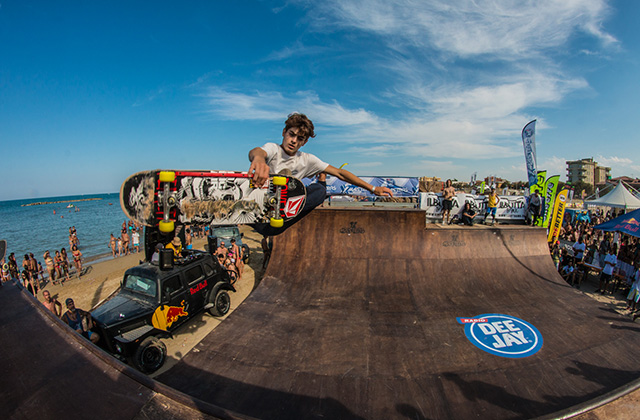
x,y
286,159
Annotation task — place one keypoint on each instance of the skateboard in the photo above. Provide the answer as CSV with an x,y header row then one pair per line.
x,y
163,197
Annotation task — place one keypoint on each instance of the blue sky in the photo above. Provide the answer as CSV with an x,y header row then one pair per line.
x,y
92,91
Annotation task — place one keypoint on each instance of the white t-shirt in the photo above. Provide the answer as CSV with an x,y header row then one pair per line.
x,y
608,268
301,165
136,238
578,249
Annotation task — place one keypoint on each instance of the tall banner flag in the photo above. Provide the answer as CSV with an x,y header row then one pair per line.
x,y
557,215
550,190
529,144
541,179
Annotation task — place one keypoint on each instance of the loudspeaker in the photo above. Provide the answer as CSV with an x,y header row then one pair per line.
x,y
166,259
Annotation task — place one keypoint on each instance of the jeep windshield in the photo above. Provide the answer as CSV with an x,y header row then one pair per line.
x,y
226,232
141,285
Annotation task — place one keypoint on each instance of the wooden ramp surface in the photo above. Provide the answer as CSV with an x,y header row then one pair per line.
x,y
357,319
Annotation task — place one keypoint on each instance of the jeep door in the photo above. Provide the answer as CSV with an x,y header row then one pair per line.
x,y
197,286
176,301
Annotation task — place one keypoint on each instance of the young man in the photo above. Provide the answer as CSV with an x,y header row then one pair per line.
x,y
492,206
447,201
287,159
534,207
52,304
80,321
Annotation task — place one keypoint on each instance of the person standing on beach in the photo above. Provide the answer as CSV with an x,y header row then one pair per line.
x,y
48,261
125,242
26,266
77,259
447,201
286,159
51,304
135,237
112,245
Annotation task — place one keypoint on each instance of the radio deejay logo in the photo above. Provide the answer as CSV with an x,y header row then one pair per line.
x,y
502,335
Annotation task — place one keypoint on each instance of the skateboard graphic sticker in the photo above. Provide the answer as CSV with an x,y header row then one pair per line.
x,y
208,197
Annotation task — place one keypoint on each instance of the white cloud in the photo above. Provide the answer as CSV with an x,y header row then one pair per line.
x,y
468,27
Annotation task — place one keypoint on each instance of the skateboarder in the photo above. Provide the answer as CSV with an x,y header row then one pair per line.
x,y
286,159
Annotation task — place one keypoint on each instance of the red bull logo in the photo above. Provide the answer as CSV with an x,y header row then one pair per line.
x,y
632,221
165,316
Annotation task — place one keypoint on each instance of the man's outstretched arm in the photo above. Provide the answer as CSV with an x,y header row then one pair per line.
x,y
259,169
347,176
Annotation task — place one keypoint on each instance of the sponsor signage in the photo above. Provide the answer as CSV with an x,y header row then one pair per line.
x,y
502,335
510,207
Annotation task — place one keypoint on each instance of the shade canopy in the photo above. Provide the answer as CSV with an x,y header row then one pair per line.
x,y
619,197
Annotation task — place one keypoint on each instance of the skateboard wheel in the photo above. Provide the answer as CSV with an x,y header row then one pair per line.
x,y
279,180
276,223
166,227
167,176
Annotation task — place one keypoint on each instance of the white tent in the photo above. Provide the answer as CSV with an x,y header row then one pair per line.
x,y
619,197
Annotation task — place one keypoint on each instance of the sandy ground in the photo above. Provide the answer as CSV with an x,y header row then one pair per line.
x,y
102,279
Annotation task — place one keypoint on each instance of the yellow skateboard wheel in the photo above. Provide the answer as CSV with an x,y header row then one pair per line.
x,y
166,227
279,180
276,223
167,176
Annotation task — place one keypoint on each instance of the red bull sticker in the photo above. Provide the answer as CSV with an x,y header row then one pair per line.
x,y
165,316
502,335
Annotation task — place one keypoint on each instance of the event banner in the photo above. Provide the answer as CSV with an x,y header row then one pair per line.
x,y
529,144
550,190
541,179
557,215
401,187
510,207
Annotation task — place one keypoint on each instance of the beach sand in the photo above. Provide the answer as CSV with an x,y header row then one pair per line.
x,y
102,279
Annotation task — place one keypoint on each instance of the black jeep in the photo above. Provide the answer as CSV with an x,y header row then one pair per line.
x,y
153,301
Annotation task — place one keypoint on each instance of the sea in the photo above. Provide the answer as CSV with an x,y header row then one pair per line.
x,y
42,224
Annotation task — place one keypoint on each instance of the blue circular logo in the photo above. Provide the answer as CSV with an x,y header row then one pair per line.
x,y
502,335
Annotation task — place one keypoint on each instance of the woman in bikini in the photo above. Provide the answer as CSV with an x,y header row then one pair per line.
x,y
77,259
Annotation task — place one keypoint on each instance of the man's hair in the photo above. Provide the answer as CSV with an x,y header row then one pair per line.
x,y
300,121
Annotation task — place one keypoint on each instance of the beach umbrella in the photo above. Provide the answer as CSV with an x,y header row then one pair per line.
x,y
627,223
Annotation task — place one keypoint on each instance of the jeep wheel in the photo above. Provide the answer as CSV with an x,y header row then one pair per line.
x,y
221,304
245,253
150,356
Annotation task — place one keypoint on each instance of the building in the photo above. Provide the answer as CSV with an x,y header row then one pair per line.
x,y
588,171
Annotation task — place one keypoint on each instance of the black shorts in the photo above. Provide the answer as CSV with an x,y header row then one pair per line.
x,y
447,204
605,277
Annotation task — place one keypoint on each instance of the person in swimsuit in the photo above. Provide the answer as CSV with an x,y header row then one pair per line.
x,y
51,304
77,259
50,267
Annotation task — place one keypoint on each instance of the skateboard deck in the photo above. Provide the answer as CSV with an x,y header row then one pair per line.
x,y
162,198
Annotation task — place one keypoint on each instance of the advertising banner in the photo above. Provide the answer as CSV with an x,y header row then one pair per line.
x,y
550,191
557,215
510,207
401,187
529,144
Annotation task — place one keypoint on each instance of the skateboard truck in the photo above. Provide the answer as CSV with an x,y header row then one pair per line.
x,y
166,225
279,182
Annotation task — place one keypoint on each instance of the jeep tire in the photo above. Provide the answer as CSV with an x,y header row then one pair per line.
x,y
150,355
221,303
